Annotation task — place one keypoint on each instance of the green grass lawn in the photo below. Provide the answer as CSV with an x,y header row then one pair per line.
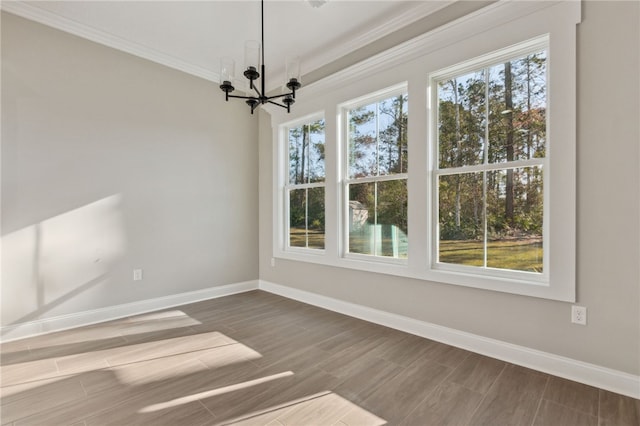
x,y
297,238
524,254
362,245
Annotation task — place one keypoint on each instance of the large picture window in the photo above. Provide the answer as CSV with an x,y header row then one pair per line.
x,y
491,161
306,186
376,183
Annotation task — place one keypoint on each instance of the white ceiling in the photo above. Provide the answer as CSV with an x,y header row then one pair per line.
x,y
192,36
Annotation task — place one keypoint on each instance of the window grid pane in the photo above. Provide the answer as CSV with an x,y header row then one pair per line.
x,y
306,218
514,224
377,138
298,218
315,218
306,153
378,218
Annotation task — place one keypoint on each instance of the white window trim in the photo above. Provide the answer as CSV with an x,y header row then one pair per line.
x,y
494,58
286,187
345,180
490,29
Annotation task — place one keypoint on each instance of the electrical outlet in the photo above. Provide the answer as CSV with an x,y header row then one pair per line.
x,y
273,262
579,315
137,274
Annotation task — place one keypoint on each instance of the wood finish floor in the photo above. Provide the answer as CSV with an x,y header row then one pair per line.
x,y
260,359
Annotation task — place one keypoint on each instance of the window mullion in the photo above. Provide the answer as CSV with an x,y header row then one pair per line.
x,y
375,218
305,185
382,178
484,173
378,139
306,217
491,167
484,219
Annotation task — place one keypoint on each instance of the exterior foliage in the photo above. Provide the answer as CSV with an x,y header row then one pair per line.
x,y
306,202
489,119
377,151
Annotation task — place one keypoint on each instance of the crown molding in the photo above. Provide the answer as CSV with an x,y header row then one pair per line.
x,y
438,38
53,20
391,25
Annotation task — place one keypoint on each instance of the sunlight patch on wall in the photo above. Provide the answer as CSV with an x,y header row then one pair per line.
x,y
49,263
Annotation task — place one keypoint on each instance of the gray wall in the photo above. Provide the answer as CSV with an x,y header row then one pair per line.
x,y
110,163
608,225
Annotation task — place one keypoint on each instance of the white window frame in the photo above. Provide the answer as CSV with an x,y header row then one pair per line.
x,y
491,29
399,89
494,58
288,186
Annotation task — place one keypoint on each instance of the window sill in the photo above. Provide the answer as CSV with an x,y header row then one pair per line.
x,y
518,283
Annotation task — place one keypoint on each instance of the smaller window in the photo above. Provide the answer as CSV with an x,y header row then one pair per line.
x,y
376,171
305,190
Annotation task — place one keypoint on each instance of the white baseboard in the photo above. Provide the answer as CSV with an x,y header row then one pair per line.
x,y
63,322
590,374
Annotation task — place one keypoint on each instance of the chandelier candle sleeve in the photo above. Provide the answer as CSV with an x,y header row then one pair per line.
x,y
227,72
251,60
254,69
293,69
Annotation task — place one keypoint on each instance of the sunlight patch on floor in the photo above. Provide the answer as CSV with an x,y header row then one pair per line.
x,y
156,321
320,408
9,390
130,326
177,365
211,393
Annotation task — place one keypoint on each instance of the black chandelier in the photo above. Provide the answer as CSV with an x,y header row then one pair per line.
x,y
252,60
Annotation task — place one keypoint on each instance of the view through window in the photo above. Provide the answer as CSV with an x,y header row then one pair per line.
x,y
377,177
491,156
306,189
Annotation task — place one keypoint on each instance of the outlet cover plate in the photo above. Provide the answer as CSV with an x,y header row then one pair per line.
x,y
579,315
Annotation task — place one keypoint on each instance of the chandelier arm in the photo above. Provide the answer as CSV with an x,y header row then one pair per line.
x,y
280,105
280,96
242,97
257,91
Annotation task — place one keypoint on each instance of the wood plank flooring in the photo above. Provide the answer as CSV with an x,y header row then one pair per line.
x,y
260,359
